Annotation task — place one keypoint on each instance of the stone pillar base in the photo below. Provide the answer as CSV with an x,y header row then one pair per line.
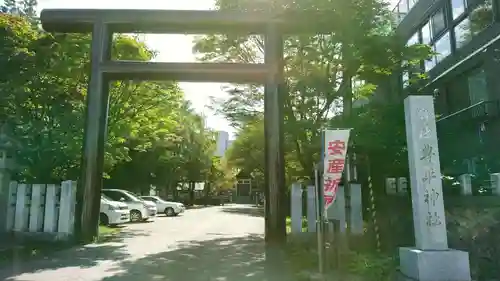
x,y
446,265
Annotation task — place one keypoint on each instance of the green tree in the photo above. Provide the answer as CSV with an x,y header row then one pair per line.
x,y
10,6
29,8
319,69
154,137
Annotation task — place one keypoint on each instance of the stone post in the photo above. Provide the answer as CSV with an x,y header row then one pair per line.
x,y
296,208
338,211
431,259
356,212
402,185
311,208
390,186
465,184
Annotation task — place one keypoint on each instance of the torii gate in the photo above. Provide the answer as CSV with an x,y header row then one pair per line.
x,y
103,23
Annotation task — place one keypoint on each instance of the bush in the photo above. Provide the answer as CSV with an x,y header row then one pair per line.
x,y
370,266
303,257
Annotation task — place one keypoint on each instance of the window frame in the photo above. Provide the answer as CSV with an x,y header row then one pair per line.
x,y
450,5
469,8
442,10
437,57
474,73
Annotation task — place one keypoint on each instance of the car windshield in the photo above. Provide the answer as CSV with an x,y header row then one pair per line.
x,y
156,198
151,198
106,198
132,196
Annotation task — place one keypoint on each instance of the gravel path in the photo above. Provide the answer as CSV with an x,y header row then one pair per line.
x,y
214,243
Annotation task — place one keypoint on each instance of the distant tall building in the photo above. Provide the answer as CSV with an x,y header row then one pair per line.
x,y
222,143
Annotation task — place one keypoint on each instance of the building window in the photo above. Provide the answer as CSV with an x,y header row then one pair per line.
x,y
438,22
413,40
430,63
478,87
443,47
479,15
463,33
426,33
457,8
403,9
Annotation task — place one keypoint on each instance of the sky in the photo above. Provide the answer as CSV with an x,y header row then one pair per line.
x,y
172,48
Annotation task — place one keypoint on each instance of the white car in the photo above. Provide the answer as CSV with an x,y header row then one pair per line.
x,y
140,210
113,212
168,208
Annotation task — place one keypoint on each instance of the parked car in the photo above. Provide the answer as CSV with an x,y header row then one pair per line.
x,y
167,207
113,212
140,210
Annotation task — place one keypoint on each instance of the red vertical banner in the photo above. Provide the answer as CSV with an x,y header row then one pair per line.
x,y
335,151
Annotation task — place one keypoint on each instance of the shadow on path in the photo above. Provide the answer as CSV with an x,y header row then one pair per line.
x,y
249,211
79,256
223,259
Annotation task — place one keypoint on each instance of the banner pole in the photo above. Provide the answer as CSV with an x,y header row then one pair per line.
x,y
334,145
320,208
320,224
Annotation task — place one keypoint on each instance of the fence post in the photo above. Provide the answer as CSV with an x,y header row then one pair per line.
x,y
402,185
50,218
338,210
67,209
72,207
36,211
465,184
391,186
495,183
296,206
22,211
11,210
311,208
356,212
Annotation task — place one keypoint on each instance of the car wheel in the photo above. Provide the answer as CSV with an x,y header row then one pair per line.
x,y
135,216
169,212
103,219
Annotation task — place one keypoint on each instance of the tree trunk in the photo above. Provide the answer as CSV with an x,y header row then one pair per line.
x,y
175,192
191,192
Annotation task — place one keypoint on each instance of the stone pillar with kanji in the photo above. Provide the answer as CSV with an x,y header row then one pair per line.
x,y
7,149
430,259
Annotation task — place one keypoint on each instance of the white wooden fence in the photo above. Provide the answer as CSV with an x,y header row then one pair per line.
x,y
337,212
42,209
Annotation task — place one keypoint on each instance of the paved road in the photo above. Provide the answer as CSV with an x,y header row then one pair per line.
x,y
215,243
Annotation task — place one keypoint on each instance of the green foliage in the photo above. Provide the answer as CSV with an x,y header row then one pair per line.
x,y
247,151
371,266
380,133
318,72
302,254
154,137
